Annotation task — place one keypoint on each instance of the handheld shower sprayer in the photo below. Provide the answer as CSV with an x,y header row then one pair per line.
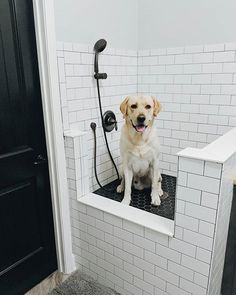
x,y
108,118
99,46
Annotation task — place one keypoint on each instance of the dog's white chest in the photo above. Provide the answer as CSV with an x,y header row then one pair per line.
x,y
142,152
141,159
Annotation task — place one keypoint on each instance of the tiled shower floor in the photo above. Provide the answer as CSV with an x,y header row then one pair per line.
x,y
142,199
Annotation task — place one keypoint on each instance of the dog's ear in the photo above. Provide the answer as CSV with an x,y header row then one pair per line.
x,y
157,106
124,106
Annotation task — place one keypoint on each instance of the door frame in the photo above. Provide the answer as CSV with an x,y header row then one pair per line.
x,y
46,49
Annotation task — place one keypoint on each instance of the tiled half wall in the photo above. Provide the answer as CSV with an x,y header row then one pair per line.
x,y
136,260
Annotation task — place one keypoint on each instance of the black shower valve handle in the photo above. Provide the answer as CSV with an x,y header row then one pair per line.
x,y
109,121
112,121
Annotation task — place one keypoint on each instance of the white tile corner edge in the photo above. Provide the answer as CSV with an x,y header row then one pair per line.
x,y
74,133
218,151
200,154
140,217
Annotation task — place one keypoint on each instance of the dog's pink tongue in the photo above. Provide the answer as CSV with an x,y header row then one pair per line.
x,y
140,128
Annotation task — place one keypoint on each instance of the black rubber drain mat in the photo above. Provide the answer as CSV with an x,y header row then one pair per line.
x,y
142,199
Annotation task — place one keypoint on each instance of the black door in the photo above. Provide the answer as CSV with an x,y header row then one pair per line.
x,y
27,246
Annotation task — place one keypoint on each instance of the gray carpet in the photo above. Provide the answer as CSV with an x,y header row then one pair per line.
x,y
81,284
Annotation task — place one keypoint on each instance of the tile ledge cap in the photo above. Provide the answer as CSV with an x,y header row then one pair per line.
x,y
74,133
200,154
218,151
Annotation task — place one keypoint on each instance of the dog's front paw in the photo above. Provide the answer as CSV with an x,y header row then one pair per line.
x,y
126,200
156,201
120,188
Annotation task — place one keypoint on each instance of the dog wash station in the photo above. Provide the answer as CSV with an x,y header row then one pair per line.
x,y
195,215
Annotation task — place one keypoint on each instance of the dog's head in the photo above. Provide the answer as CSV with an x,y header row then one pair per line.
x,y
139,111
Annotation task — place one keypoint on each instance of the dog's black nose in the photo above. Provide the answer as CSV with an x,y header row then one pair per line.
x,y
141,119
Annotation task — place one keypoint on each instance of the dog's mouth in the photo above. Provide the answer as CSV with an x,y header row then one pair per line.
x,y
139,127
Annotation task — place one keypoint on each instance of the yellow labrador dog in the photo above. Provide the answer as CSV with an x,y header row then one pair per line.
x,y
139,147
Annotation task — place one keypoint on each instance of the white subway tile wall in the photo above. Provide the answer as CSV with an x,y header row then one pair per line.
x,y
222,223
125,256
79,100
136,260
196,86
77,159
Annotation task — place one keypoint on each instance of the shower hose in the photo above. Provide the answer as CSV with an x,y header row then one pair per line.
x,y
93,127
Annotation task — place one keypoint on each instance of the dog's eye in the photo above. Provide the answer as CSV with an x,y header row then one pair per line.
x,y
147,106
133,106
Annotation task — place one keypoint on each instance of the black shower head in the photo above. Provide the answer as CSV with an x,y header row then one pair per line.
x,y
100,45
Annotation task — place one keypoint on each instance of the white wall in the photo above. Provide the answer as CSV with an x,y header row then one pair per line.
x,y
85,21
196,87
80,104
168,23
133,24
